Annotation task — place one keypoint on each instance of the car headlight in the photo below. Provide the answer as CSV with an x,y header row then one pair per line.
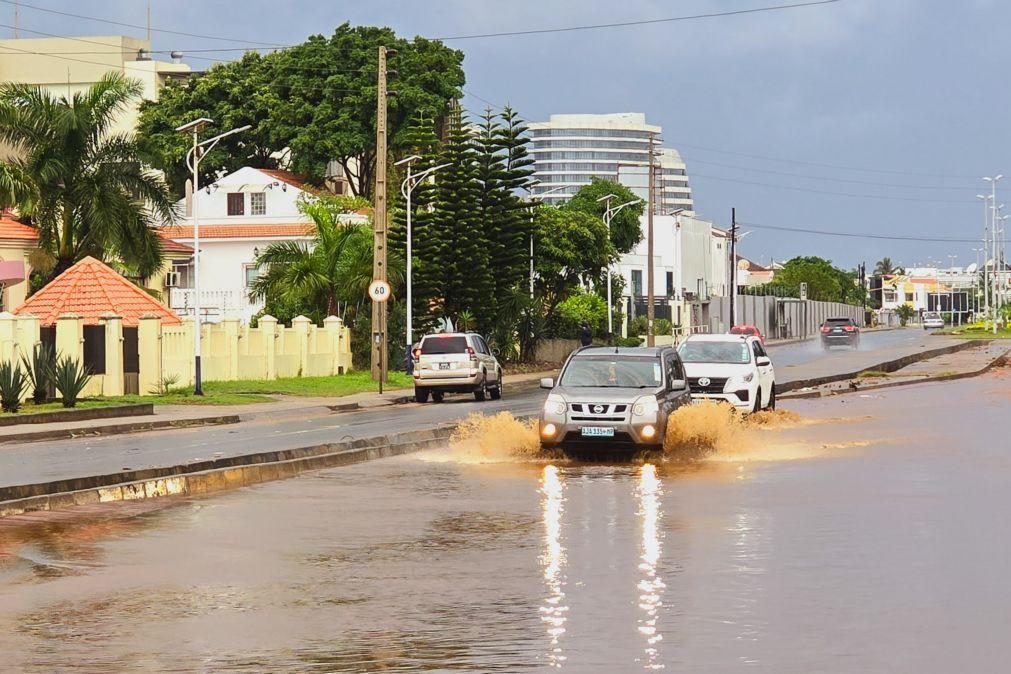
x,y
644,406
741,380
555,404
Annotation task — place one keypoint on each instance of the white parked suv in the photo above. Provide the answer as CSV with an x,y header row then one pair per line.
x,y
455,362
730,368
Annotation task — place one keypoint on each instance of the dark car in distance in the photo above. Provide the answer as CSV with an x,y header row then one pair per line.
x,y
840,332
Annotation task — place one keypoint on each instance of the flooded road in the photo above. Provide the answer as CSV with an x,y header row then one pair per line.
x,y
870,535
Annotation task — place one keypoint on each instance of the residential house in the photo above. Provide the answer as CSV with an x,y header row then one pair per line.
x,y
17,241
239,215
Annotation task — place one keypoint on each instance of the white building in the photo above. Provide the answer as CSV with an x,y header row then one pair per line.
x,y
65,66
239,215
689,265
569,150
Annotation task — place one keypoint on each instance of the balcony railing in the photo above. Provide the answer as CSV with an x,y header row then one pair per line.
x,y
214,304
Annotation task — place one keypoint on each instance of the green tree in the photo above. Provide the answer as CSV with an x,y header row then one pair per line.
x,y
327,276
626,231
824,281
884,267
309,105
82,185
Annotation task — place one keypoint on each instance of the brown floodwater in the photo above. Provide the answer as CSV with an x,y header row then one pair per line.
x,y
867,533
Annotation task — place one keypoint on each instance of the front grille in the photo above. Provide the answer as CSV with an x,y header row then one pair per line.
x,y
599,410
596,418
715,385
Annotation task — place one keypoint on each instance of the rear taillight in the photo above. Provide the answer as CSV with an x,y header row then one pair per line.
x,y
825,328
417,354
470,352
849,328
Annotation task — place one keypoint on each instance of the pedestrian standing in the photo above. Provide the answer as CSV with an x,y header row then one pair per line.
x,y
585,334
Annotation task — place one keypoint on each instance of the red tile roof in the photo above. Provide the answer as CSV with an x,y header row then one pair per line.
x,y
291,178
280,230
170,246
11,229
91,289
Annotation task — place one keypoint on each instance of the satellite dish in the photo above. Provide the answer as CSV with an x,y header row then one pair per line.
x,y
743,265
971,269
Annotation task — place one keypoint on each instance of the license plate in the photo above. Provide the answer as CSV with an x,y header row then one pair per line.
x,y
443,366
597,432
837,330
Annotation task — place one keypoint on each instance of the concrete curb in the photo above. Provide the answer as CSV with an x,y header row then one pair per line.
x,y
887,366
78,414
211,476
894,384
117,429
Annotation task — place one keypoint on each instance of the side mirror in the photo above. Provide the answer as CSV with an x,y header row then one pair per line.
x,y
547,382
762,361
678,384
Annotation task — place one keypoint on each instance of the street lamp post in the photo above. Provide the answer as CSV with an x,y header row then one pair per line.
x,y
986,242
609,214
407,189
530,199
193,157
993,230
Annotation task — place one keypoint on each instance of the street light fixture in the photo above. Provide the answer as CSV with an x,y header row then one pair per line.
x,y
609,214
531,197
193,157
407,189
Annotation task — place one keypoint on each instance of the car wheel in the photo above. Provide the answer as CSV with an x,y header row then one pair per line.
x,y
482,392
772,399
758,401
496,393
438,396
421,395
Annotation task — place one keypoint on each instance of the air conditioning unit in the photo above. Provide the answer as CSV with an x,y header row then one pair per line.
x,y
172,279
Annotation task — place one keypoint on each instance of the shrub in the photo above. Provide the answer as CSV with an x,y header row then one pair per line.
x,y
905,312
13,382
661,326
628,341
165,385
71,377
638,325
40,372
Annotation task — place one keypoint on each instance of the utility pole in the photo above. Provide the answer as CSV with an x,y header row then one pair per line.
x,y
863,288
733,267
379,346
650,309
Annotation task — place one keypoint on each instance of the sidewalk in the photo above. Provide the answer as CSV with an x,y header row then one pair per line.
x,y
181,416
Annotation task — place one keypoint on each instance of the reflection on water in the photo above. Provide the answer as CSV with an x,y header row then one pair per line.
x,y
651,585
553,560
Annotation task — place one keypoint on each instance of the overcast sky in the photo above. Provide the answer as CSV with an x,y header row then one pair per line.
x,y
862,116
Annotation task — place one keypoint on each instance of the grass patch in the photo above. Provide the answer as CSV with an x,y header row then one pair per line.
x,y
872,374
975,332
28,407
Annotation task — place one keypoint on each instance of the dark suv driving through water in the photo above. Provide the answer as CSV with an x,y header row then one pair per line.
x,y
840,332
613,398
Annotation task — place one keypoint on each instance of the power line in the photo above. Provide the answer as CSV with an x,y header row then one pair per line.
x,y
642,22
829,192
23,5
856,235
696,160
822,165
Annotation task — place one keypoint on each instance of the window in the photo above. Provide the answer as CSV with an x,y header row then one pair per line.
x,y
909,297
889,296
637,282
439,344
252,272
236,203
258,203
670,284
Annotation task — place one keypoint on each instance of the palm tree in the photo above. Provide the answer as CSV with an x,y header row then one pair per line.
x,y
76,180
332,270
884,267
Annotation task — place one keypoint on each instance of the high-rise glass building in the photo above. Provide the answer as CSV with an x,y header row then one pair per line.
x,y
569,150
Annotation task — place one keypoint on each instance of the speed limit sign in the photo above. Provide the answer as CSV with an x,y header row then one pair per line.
x,y
379,291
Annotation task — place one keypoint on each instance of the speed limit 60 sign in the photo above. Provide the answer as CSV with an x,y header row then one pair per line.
x,y
379,291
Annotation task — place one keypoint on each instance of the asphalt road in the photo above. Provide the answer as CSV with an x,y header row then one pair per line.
x,y
55,460
866,539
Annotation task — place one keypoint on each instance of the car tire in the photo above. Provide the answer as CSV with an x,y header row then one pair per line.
x,y
772,399
496,392
438,396
758,401
421,395
482,393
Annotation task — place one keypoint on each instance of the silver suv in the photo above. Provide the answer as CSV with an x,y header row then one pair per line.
x,y
613,398
455,362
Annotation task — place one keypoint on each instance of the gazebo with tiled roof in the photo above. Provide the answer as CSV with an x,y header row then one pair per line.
x,y
92,290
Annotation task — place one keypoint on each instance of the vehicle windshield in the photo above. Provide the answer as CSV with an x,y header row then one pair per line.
x,y
440,345
612,372
931,314
839,321
735,353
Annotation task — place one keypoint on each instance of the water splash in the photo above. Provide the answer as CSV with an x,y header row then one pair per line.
x,y
497,438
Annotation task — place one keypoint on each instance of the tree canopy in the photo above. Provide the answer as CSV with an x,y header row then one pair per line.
x,y
825,282
308,105
626,230
82,185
